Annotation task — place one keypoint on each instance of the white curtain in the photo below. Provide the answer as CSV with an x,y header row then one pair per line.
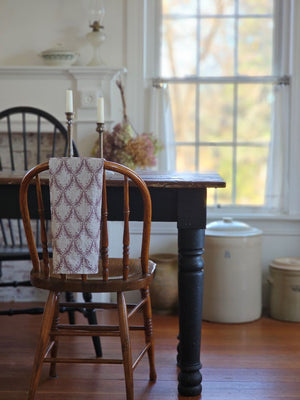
x,y
277,183
162,126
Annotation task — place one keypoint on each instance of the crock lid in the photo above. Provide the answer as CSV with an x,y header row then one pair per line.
x,y
286,263
227,227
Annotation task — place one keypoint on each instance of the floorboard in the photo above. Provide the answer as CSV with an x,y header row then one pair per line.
x,y
259,360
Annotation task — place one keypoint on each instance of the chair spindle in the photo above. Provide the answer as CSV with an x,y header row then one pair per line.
x,y
12,161
54,141
24,141
3,232
20,232
104,232
38,139
11,231
126,236
43,225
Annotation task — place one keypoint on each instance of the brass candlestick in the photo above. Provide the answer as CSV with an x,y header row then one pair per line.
x,y
70,117
100,130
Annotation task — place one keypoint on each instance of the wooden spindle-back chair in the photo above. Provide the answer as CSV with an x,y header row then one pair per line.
x,y
29,136
114,276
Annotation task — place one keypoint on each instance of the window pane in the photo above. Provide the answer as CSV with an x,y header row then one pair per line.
x,y
251,175
254,113
212,197
183,111
217,47
220,124
217,7
255,46
179,6
185,158
255,6
218,159
216,113
179,47
218,197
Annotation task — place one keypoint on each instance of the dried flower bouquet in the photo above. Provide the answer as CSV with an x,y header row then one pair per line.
x,y
123,145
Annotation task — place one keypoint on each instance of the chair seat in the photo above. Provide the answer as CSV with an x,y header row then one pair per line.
x,y
95,283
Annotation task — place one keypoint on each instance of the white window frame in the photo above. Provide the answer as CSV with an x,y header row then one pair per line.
x,y
142,65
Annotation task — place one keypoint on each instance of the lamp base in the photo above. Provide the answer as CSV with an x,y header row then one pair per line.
x,y
96,38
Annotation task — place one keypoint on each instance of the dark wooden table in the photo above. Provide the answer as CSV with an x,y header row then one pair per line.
x,y
175,197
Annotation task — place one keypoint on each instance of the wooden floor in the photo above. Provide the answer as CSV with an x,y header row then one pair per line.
x,y
253,361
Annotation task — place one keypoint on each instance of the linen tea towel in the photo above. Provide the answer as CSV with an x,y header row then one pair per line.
x,y
75,196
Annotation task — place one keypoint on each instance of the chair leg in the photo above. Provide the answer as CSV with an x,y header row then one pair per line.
x,y
126,346
71,313
54,349
149,332
41,349
92,319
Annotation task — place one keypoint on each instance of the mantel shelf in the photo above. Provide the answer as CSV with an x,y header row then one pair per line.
x,y
78,72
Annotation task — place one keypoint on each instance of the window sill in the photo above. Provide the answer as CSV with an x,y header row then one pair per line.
x,y
251,214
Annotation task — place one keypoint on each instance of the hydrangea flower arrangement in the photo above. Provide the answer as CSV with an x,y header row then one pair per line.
x,y
123,145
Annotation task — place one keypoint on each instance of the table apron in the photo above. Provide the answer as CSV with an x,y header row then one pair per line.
x,y
186,206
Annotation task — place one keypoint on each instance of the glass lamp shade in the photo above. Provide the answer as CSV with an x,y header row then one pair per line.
x,y
96,14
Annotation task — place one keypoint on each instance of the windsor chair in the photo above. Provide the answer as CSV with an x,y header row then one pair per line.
x,y
29,136
114,276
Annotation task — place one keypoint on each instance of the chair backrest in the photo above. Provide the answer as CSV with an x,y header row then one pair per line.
x,y
128,180
28,136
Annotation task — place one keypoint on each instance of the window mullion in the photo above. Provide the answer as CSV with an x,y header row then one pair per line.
x,y
234,147
235,103
197,97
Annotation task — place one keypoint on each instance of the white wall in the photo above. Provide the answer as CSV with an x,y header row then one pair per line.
x,y
31,26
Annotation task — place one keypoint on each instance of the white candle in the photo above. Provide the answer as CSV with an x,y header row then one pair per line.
x,y
69,101
100,110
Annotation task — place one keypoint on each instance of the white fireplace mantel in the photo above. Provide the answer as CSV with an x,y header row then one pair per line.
x,y
78,72
44,87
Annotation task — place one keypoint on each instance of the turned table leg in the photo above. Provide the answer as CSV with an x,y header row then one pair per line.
x,y
190,285
191,232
